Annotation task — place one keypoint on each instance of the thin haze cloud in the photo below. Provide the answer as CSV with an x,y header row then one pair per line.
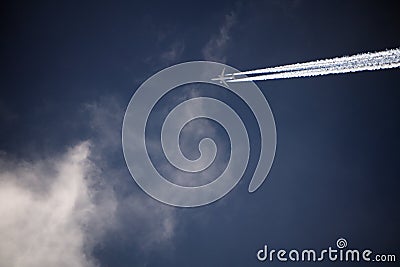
x,y
152,224
173,53
215,48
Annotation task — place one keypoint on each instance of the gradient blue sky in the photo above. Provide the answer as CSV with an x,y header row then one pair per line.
x,y
69,70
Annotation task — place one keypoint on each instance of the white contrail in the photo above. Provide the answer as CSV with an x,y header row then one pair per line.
x,y
325,62
361,62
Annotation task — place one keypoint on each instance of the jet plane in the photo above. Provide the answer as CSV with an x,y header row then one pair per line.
x,y
222,78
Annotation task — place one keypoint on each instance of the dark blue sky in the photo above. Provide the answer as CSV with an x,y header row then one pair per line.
x,y
69,70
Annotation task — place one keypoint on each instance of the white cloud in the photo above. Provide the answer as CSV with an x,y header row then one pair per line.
x,y
51,213
55,211
215,49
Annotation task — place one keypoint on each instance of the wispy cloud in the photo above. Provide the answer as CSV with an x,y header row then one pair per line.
x,y
168,49
201,128
52,212
215,49
173,53
150,222
169,53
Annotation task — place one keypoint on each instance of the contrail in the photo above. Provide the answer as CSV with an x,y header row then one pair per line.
x,y
325,62
361,62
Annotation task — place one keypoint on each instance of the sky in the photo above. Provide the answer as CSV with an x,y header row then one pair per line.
x,y
69,70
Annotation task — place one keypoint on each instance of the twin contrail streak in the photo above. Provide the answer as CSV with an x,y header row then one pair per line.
x,y
361,62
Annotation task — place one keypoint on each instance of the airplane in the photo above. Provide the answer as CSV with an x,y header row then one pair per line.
x,y
222,78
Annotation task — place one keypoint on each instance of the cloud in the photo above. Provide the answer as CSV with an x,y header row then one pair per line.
x,y
150,222
105,122
215,49
173,53
56,211
53,211
190,137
